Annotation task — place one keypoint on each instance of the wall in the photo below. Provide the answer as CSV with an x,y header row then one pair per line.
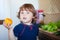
x,y
4,12
53,17
51,10
4,9
50,6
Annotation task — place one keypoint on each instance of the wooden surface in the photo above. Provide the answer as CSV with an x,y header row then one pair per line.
x,y
1,22
47,36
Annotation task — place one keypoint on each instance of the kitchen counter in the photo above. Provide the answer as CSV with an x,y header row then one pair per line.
x,y
47,36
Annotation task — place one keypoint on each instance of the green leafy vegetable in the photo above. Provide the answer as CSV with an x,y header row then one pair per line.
x,y
50,27
58,24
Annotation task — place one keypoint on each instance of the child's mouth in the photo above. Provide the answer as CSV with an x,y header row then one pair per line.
x,y
24,17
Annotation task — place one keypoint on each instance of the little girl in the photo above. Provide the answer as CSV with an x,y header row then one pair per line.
x,y
27,29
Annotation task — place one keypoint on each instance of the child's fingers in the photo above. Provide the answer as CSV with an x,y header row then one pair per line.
x,y
4,24
7,25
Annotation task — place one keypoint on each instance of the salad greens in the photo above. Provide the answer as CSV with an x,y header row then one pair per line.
x,y
50,27
58,24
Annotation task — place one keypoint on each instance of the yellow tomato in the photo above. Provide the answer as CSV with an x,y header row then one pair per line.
x,y
8,21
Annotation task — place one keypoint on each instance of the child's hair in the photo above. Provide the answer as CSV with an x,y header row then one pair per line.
x,y
30,8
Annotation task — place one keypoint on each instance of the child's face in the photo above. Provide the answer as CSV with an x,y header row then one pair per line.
x,y
26,16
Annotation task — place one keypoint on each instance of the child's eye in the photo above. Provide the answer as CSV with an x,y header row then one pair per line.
x,y
27,12
22,13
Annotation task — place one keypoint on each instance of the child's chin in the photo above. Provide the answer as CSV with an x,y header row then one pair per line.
x,y
25,21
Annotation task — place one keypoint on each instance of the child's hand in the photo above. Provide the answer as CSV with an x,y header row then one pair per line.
x,y
8,26
7,23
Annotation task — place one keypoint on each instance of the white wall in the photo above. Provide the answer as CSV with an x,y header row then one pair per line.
x,y
4,9
4,12
9,8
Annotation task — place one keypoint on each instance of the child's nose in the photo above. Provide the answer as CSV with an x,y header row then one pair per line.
x,y
25,14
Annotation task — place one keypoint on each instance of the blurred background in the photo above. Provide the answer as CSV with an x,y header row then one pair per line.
x,y
9,8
